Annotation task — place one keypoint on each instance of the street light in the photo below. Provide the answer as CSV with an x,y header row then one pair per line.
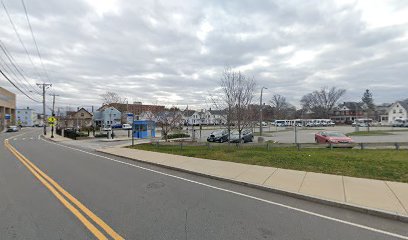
x,y
260,113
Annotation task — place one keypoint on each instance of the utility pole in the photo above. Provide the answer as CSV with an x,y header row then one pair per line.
x,y
44,86
53,102
53,113
260,113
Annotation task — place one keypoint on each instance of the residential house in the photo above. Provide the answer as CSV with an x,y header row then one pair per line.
x,y
77,119
169,119
205,117
107,116
187,117
398,110
347,112
27,117
381,113
218,117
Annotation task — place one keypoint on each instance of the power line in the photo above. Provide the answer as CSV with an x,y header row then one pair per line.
x,y
8,79
15,65
19,38
35,41
9,71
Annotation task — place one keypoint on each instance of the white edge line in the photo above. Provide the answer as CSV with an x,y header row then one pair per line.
x,y
242,194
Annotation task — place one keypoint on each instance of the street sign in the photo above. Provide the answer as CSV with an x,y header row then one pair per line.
x,y
51,121
7,116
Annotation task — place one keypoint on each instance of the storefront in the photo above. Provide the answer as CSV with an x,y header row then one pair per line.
x,y
7,108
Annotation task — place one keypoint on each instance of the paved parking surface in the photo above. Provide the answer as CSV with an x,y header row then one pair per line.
x,y
306,135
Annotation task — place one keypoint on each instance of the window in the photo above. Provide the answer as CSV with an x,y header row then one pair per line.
x,y
82,114
400,111
394,111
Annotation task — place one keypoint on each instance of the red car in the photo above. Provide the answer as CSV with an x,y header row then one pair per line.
x,y
332,137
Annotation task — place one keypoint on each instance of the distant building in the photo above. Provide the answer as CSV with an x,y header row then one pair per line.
x,y
137,108
79,119
204,117
27,117
147,115
107,116
347,112
381,113
7,108
398,110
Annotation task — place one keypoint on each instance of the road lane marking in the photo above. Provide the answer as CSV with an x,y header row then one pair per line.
x,y
241,194
53,187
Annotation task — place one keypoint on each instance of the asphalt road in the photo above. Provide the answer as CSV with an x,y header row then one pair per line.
x,y
140,201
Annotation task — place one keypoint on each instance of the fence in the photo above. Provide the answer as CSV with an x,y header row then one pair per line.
x,y
298,146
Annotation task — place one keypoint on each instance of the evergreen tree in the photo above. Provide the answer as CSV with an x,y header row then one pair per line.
x,y
368,99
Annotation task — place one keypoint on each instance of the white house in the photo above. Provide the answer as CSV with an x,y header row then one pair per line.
x,y
204,117
107,116
398,110
27,117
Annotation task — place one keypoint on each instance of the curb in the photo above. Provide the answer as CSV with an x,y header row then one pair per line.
x,y
53,139
370,211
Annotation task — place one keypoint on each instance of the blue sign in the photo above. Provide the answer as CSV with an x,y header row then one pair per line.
x,y
130,114
7,116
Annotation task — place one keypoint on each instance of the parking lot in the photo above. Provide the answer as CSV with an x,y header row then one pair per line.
x,y
306,135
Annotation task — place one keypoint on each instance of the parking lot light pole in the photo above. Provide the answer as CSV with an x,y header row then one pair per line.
x,y
133,129
260,113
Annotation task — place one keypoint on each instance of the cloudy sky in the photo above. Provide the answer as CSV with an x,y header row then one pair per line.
x,y
173,52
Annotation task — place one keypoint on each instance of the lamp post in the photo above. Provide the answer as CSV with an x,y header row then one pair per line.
x,y
133,129
260,113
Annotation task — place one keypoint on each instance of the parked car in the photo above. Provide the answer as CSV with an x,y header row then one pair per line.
x,y
310,124
117,125
332,138
263,124
218,136
106,128
12,129
331,124
126,126
246,136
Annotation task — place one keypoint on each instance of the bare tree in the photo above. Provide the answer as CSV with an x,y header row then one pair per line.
x,y
280,107
321,102
111,97
168,121
237,95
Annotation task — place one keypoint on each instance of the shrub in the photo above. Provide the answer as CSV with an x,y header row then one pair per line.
x,y
177,135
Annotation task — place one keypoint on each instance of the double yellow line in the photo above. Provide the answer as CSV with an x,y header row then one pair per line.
x,y
70,202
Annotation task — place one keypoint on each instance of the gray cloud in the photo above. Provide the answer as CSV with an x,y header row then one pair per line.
x,y
174,52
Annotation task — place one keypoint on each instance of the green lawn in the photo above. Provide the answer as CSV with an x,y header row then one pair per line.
x,y
371,163
370,133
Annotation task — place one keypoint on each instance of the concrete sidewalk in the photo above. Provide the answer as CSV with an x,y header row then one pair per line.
x,y
378,197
